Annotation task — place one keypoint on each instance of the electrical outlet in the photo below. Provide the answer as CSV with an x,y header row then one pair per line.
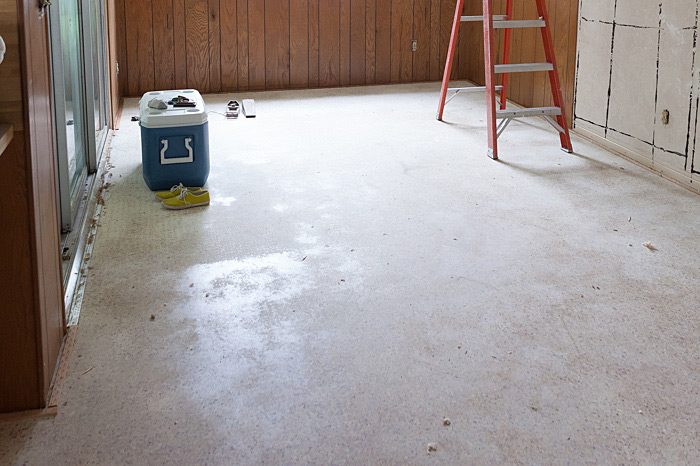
x,y
414,45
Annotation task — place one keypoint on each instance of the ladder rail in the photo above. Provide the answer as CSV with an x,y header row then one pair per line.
x,y
490,79
555,83
506,55
450,58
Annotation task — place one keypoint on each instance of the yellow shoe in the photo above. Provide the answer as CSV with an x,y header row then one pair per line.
x,y
187,199
174,192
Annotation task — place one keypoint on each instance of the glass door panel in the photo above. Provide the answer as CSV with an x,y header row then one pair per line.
x,y
74,102
99,74
69,106
79,51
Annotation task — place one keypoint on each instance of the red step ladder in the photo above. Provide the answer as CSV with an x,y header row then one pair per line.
x,y
556,115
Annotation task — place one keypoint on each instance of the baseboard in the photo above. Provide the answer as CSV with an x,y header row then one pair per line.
x,y
51,411
120,110
682,179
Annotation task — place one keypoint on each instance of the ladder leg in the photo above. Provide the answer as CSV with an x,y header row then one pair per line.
x,y
490,80
554,77
450,58
506,55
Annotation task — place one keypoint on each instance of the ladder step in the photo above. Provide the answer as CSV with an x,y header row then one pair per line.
x,y
472,88
527,112
523,67
535,23
481,18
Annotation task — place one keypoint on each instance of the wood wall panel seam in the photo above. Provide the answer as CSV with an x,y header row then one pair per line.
x,y
242,50
298,44
329,43
153,44
197,40
121,47
179,44
228,18
370,41
164,44
382,42
112,61
358,24
277,44
314,44
256,45
434,40
214,35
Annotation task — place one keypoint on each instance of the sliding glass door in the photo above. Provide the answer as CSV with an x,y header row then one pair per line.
x,y
96,48
69,105
80,98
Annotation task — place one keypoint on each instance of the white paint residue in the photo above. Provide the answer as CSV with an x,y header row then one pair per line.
x,y
254,162
307,235
280,207
665,24
306,238
249,282
223,201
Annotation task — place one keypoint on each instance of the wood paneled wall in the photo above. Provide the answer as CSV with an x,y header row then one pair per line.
x,y
31,294
19,360
225,45
10,72
230,45
113,59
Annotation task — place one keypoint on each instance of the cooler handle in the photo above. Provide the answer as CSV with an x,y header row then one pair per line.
x,y
188,159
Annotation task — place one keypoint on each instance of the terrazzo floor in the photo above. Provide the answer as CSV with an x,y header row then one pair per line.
x,y
364,272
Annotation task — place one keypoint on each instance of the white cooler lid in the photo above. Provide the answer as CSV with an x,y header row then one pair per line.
x,y
172,116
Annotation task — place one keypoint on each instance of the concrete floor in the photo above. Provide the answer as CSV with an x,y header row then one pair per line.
x,y
365,271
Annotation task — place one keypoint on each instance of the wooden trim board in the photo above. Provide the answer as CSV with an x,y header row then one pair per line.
x,y
7,132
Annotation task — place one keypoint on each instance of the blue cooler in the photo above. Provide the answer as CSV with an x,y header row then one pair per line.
x,y
174,141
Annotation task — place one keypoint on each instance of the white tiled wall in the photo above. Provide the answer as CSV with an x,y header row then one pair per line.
x,y
635,60
643,13
633,84
603,10
594,43
675,89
